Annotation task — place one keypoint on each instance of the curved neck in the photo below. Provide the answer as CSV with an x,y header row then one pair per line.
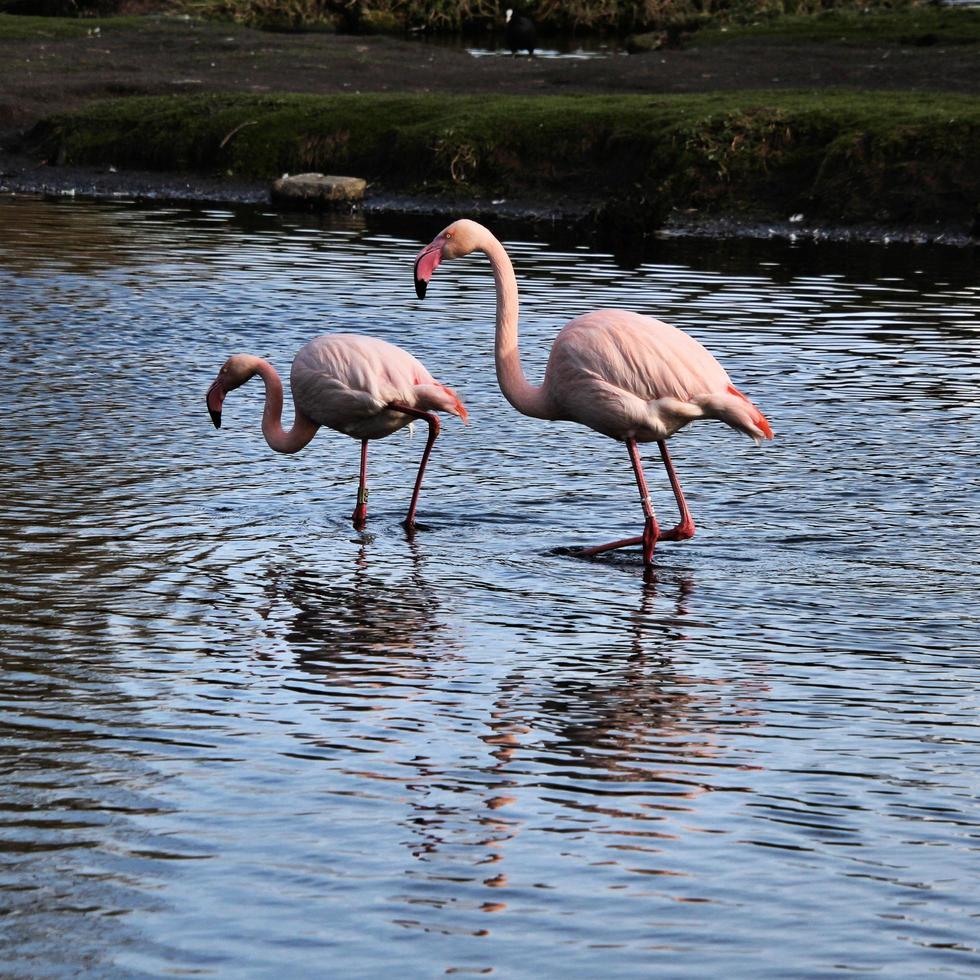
x,y
527,399
303,430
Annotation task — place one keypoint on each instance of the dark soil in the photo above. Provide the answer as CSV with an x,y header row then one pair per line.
x,y
40,76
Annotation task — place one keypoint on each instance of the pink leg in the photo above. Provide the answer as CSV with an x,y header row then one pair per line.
x,y
434,427
359,517
685,529
651,530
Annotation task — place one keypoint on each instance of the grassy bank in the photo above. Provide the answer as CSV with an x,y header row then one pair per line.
x,y
15,28
551,16
907,25
914,25
840,157
367,16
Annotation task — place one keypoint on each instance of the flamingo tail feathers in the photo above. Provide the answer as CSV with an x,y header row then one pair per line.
x,y
758,419
744,411
440,398
736,410
458,407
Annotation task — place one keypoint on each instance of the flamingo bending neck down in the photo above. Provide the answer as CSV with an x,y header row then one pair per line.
x,y
627,376
361,386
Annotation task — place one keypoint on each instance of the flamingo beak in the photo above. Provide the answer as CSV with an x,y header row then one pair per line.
x,y
425,264
215,399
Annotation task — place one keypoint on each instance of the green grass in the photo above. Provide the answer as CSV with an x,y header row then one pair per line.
x,y
913,25
14,27
714,21
839,156
617,16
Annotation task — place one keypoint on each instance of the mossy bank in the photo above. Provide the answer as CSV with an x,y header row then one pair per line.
x,y
836,157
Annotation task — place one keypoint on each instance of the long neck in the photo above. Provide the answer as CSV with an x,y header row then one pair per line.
x,y
527,399
303,430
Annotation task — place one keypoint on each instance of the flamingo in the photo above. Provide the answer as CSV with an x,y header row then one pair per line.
x,y
361,386
627,376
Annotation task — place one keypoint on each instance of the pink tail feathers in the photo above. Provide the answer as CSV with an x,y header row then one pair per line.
x,y
759,423
437,397
736,410
458,407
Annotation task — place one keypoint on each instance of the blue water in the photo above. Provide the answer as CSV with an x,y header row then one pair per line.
x,y
241,739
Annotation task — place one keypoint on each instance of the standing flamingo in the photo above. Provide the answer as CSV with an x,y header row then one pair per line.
x,y
363,387
627,376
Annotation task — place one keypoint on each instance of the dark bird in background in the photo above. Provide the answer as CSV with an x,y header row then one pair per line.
x,y
520,33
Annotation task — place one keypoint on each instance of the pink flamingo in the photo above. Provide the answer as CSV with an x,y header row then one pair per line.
x,y
363,387
627,376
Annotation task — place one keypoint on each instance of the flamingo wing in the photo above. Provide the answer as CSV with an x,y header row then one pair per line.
x,y
348,381
630,376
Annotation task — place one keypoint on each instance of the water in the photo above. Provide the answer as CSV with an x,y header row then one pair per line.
x,y
240,739
577,51
564,48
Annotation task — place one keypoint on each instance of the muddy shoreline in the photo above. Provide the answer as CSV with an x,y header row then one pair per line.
x,y
22,176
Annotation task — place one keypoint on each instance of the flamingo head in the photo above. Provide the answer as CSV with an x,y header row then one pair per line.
x,y
233,374
459,239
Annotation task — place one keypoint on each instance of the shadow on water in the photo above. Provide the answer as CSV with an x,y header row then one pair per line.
x,y
39,235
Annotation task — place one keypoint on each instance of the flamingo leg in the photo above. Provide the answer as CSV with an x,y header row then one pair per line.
x,y
434,428
685,529
359,517
651,530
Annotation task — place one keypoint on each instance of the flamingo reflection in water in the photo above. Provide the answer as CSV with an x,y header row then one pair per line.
x,y
616,742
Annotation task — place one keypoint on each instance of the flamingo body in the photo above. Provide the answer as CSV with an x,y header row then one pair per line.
x,y
628,376
348,381
360,386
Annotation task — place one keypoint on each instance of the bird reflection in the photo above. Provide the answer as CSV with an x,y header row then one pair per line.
x,y
366,619
605,742
600,719
615,743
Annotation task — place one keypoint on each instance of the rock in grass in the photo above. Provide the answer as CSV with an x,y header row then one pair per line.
x,y
318,191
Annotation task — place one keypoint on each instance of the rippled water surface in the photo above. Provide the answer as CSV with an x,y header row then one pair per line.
x,y
240,739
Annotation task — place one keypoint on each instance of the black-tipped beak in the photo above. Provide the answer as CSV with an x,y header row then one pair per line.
x,y
215,399
420,283
425,264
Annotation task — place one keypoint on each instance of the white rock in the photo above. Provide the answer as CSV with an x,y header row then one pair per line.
x,y
318,190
